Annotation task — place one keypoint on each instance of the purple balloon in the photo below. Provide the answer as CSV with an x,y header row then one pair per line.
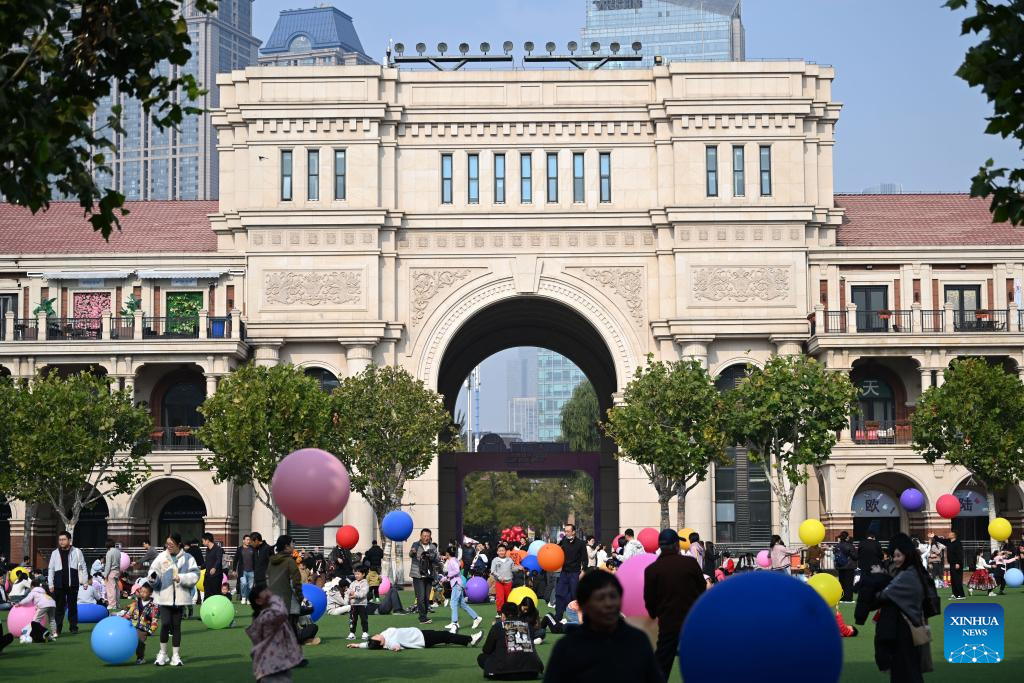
x,y
631,576
912,500
476,589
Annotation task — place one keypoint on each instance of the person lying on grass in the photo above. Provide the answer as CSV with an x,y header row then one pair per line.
x,y
412,638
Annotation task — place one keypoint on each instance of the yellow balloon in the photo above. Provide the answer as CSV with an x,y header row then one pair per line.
x,y
999,529
828,587
684,538
812,532
517,595
199,583
13,574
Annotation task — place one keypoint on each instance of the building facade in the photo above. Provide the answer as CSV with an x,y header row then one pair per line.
x,y
523,419
675,30
429,220
557,377
316,36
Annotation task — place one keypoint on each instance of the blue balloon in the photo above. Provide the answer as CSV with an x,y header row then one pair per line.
x,y
113,640
397,525
317,597
531,563
91,613
783,620
535,547
1014,577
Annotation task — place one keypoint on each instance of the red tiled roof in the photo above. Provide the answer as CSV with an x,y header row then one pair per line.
x,y
155,226
921,220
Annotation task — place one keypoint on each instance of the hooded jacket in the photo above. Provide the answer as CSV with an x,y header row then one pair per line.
x,y
285,581
274,646
165,567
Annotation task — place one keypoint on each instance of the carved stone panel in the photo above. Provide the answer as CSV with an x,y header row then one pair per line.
x,y
742,284
426,283
316,288
625,283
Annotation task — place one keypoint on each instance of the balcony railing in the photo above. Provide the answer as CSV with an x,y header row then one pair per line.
x,y
932,321
66,329
170,328
981,320
918,321
883,321
835,321
22,329
880,432
171,439
122,327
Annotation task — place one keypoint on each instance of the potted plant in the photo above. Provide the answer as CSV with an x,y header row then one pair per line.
x,y
130,306
885,314
182,431
156,434
982,314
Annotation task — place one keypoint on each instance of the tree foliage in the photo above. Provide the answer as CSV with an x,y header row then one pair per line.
x,y
787,414
258,416
58,59
71,441
995,65
974,420
580,417
496,500
671,425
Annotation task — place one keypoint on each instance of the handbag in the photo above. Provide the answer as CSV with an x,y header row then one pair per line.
x,y
921,635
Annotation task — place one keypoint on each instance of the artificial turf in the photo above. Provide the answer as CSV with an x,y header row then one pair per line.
x,y
214,656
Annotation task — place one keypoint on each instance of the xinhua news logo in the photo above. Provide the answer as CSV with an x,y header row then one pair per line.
x,y
973,633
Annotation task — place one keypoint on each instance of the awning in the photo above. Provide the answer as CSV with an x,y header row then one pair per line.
x,y
88,275
181,274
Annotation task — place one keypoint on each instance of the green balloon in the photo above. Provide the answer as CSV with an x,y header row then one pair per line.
x,y
217,612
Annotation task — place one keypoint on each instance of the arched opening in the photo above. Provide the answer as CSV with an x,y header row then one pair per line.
x,y
5,529
327,379
569,349
164,505
300,43
971,525
176,398
91,530
182,514
66,370
883,415
876,508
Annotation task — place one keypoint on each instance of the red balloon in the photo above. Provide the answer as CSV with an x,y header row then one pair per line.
x,y
648,539
948,506
347,537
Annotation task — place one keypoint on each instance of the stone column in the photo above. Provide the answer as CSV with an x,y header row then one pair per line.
x,y
358,512
787,346
695,348
105,325
267,352
359,357
939,377
700,505
820,324
204,329
947,318
211,384
41,326
851,317
8,326
137,328
236,324
926,379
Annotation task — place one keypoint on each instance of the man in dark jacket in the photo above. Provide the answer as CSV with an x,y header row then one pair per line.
x,y
214,566
425,564
672,583
869,553
242,565
508,653
845,558
260,559
955,557
339,563
374,557
575,557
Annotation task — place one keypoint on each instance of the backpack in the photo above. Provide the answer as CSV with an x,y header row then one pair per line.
x,y
841,558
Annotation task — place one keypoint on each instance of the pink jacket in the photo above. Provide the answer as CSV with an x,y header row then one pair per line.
x,y
38,597
274,647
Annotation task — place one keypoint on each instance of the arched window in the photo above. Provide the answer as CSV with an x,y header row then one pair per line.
x,y
91,530
181,404
876,512
300,44
328,382
183,514
876,400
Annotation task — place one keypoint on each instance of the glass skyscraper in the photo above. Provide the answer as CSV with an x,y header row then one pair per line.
x,y
676,30
557,377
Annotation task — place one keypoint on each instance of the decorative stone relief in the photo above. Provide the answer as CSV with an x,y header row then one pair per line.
x,y
627,283
427,282
741,284
313,287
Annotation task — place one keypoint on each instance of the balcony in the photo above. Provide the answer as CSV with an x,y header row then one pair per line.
x,y
175,439
916,321
120,328
880,432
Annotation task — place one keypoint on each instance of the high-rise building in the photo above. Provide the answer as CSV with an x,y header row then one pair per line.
x,y
557,377
319,35
181,163
521,372
522,417
884,188
675,30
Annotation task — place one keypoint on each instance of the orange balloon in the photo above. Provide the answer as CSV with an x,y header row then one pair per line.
x,y
517,555
551,557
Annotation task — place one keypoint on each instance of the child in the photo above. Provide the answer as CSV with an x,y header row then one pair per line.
x,y
21,587
337,599
45,606
509,652
453,577
501,571
1000,560
981,580
844,630
144,614
528,613
358,591
275,651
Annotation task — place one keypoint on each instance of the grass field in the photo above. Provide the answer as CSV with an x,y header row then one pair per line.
x,y
214,656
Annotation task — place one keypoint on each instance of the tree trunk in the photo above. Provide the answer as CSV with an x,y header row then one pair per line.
x,y
26,538
991,498
663,499
681,507
784,520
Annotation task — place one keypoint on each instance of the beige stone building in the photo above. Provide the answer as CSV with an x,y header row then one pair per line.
x,y
370,215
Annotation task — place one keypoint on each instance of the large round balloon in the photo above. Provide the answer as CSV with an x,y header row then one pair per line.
x,y
113,640
648,539
477,589
999,529
17,573
397,525
912,500
948,506
782,617
19,617
347,537
317,597
125,561
517,595
1014,578
551,557
828,587
684,538
91,613
310,487
812,532
201,583
385,586
217,612
535,547
631,576
764,559
531,563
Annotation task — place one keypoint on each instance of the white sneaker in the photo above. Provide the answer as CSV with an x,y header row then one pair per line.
x,y
537,641
451,628
446,602
161,659
476,638
476,622
176,661
366,636
351,635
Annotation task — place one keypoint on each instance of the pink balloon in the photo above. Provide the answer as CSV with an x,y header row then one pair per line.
x,y
764,559
310,486
125,562
631,576
19,617
385,585
648,539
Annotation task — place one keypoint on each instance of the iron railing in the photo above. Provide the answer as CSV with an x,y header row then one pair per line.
x,y
933,321
170,327
981,320
884,321
23,329
171,439
835,321
880,432
122,327
67,329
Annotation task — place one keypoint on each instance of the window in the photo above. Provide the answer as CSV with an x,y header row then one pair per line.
x,y
286,175
446,178
870,300
473,188
766,171
737,171
606,176
552,178
313,175
711,154
499,178
578,186
339,174
966,300
526,177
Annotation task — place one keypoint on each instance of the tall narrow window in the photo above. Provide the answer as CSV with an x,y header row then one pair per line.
x,y
446,178
737,171
286,175
552,178
499,178
473,186
339,174
526,177
606,176
312,174
578,186
766,170
712,171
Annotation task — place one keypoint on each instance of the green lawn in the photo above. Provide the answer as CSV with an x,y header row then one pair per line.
x,y
213,656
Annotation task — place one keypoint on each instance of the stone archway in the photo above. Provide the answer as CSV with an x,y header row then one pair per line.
x,y
167,504
875,506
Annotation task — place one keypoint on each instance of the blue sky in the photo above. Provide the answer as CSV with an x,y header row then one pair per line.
x,y
906,117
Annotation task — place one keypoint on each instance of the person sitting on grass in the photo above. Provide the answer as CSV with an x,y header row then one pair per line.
x,y
275,650
144,615
40,598
411,638
508,653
